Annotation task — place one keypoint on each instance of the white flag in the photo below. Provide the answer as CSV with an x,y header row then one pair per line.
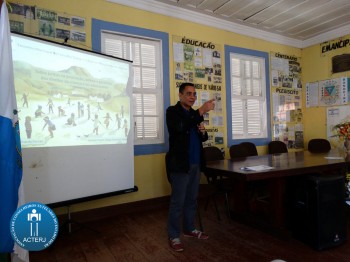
x,y
10,150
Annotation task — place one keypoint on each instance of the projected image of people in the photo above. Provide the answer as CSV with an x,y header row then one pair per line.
x,y
50,126
70,98
28,126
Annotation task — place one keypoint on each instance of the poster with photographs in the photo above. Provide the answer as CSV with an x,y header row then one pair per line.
x,y
285,70
16,26
46,15
77,21
287,117
40,22
24,13
286,91
17,9
46,28
200,62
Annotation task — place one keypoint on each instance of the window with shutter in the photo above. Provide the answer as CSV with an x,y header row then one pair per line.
x,y
247,98
147,82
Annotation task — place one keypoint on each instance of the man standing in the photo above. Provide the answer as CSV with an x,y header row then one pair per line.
x,y
184,162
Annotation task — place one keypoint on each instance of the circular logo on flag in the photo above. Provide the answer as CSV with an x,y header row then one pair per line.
x,y
34,226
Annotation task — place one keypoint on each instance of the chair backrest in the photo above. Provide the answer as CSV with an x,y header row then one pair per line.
x,y
276,147
319,145
243,149
212,153
235,151
249,149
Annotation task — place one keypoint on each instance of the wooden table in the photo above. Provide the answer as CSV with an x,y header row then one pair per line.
x,y
285,167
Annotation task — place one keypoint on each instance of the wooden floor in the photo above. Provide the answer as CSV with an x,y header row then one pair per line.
x,y
142,237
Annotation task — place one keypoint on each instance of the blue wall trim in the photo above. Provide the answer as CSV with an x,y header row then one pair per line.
x,y
244,51
97,27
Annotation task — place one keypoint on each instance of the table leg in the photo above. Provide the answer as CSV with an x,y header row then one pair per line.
x,y
277,201
240,199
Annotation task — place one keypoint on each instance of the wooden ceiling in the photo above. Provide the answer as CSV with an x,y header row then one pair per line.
x,y
296,20
300,19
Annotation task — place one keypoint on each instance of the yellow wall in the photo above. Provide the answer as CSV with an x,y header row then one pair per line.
x,y
315,67
150,170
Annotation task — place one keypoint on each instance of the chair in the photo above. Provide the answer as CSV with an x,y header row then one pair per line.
x,y
221,185
243,149
235,151
212,153
249,149
277,147
318,145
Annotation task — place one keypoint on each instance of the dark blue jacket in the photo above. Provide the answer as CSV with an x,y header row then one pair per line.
x,y
179,125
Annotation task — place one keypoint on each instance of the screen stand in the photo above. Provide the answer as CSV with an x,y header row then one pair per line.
x,y
69,222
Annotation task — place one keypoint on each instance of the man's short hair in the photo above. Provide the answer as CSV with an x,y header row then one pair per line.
x,y
183,85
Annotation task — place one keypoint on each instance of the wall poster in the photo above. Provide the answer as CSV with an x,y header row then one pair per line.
x,y
43,23
338,127
286,90
329,92
200,62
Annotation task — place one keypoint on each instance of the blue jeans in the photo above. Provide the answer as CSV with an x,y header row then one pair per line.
x,y
183,201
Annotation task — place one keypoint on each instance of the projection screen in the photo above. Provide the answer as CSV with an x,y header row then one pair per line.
x,y
75,121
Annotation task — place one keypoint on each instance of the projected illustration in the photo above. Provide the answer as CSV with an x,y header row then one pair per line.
x,y
69,97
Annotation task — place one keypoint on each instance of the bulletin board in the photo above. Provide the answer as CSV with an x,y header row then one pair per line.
x,y
44,23
200,62
286,90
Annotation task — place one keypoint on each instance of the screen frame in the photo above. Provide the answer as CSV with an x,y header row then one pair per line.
x,y
88,197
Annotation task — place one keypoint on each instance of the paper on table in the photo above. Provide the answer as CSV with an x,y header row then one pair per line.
x,y
333,157
257,168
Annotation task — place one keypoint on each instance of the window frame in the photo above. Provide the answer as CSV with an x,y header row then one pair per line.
x,y
157,91
99,26
243,51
